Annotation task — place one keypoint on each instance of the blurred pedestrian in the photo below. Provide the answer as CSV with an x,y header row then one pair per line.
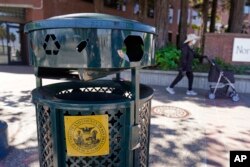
x,y
185,66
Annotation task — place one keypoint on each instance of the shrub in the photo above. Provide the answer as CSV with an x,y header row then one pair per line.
x,y
168,58
237,69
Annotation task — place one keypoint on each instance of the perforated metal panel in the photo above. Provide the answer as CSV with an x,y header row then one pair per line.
x,y
44,128
119,120
144,133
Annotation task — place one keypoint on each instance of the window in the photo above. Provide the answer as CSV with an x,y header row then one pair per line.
x,y
116,4
150,9
246,9
12,12
170,36
170,14
136,8
196,20
110,3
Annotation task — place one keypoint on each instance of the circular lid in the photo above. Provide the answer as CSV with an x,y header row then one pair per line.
x,y
89,20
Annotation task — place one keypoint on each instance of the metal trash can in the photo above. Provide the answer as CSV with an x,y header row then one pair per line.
x,y
91,121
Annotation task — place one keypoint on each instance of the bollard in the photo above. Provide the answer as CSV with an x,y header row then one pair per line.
x,y
3,139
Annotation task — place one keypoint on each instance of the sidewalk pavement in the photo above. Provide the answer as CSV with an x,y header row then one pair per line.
x,y
185,131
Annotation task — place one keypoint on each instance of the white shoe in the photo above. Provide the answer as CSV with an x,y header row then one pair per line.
x,y
191,93
170,90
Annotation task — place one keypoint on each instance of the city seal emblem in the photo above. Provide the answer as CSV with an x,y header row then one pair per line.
x,y
87,135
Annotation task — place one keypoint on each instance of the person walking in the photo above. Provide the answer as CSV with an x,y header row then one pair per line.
x,y
185,66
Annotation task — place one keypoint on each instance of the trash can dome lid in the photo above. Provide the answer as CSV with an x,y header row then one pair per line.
x,y
89,20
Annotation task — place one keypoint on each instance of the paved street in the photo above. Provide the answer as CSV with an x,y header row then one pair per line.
x,y
185,131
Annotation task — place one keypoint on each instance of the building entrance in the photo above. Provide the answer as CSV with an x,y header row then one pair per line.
x,y
10,45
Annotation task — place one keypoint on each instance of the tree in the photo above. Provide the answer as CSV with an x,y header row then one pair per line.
x,y
205,7
213,16
98,4
2,36
161,22
143,11
183,22
236,16
225,4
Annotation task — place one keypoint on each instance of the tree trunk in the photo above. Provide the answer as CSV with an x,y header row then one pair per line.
x,y
98,4
205,7
236,16
161,22
143,9
183,22
213,16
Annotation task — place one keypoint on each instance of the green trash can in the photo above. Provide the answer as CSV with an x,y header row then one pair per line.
x,y
111,99
90,121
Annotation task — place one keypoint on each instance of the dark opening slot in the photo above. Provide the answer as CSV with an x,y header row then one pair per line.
x,y
134,45
57,73
82,45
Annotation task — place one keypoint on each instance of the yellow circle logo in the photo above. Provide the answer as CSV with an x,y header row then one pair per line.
x,y
87,136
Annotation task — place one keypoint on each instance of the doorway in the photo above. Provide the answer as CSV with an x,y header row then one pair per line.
x,y
14,44
10,44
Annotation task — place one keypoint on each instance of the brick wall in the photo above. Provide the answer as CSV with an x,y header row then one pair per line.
x,y
221,45
61,7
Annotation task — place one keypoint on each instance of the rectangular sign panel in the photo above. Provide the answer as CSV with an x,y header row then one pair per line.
x,y
239,158
241,50
87,135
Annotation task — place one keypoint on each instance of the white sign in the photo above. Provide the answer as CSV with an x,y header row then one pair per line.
x,y
241,50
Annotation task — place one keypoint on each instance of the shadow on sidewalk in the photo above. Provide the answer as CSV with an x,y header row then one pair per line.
x,y
160,94
20,157
12,100
188,144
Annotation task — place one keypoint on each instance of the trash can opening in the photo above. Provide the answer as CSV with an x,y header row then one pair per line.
x,y
93,93
135,46
82,45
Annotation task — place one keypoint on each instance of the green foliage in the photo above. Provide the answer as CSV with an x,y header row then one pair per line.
x,y
237,69
168,57
195,27
198,66
197,50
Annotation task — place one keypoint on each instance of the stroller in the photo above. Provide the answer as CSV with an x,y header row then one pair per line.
x,y
219,79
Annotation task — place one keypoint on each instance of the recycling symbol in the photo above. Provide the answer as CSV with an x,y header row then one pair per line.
x,y
51,45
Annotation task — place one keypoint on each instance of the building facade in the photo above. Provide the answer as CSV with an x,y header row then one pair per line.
x,y
15,14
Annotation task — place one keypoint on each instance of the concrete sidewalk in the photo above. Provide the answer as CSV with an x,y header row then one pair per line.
x,y
185,131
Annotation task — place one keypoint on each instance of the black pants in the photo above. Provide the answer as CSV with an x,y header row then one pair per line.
x,y
190,77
